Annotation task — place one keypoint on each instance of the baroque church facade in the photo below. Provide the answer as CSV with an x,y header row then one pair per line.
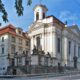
x,y
49,34
49,45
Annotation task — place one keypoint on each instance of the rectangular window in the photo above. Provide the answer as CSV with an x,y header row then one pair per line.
x,y
69,47
20,50
58,45
2,50
79,51
19,32
27,43
13,39
13,49
20,41
2,39
19,61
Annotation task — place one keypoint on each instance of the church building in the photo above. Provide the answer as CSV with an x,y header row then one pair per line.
x,y
49,34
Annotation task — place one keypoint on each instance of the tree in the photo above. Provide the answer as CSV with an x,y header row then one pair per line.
x,y
18,6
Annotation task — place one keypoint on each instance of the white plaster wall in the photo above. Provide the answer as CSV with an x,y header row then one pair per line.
x,y
40,10
4,44
7,49
3,57
48,20
17,45
3,64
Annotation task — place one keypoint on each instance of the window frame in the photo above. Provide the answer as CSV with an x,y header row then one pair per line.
x,y
69,47
2,39
58,45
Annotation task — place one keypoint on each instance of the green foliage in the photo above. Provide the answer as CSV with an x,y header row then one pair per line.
x,y
3,11
19,7
29,2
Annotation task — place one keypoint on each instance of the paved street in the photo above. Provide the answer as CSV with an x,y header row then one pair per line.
x,y
70,77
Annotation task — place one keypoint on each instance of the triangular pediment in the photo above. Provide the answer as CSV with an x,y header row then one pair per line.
x,y
36,25
75,29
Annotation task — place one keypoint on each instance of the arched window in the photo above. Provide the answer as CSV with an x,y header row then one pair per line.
x,y
43,15
38,42
37,16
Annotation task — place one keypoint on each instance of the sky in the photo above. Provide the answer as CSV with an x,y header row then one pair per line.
x,y
65,10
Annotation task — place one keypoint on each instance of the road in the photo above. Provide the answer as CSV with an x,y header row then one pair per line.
x,y
69,77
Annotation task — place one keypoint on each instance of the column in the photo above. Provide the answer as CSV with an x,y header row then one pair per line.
x,y
65,50
54,45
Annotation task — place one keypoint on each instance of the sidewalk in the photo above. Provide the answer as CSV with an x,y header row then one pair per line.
x,y
43,74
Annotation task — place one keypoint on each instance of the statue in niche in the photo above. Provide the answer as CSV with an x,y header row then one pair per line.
x,y
40,48
48,54
34,50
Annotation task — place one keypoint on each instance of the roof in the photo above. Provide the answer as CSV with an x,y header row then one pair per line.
x,y
8,29
8,26
56,20
40,5
12,30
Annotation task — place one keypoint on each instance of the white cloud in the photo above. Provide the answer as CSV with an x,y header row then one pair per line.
x,y
68,16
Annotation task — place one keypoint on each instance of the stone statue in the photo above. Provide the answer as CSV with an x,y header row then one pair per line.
x,y
40,48
34,50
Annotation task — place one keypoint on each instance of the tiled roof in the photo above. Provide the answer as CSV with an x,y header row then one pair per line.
x,y
8,26
56,20
8,29
12,30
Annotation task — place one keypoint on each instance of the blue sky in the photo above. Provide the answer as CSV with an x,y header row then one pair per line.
x,y
62,9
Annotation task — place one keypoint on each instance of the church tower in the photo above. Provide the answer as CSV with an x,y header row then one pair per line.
x,y
39,12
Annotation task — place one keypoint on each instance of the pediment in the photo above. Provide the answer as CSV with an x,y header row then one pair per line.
x,y
75,29
36,25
